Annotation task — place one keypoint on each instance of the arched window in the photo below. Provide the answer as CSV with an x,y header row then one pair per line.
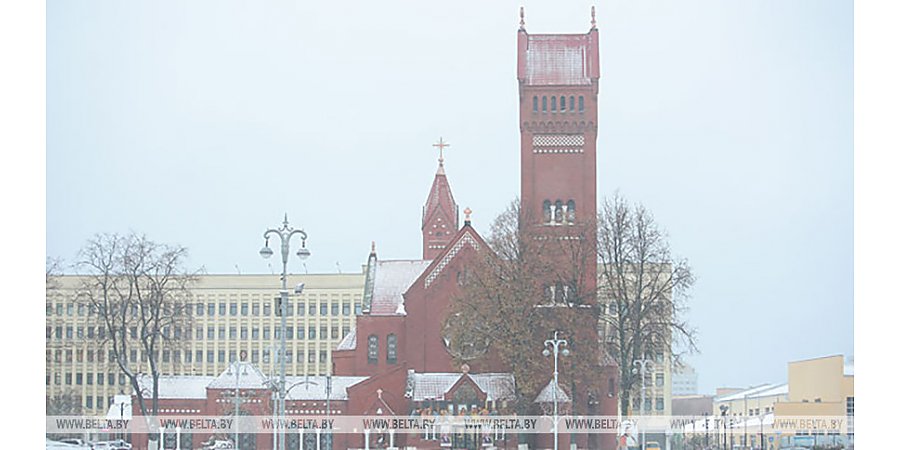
x,y
570,211
572,103
392,349
580,103
561,293
558,213
544,103
534,103
548,211
553,104
562,104
373,349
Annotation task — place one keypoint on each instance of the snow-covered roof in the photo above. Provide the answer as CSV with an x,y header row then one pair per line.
x,y
553,59
752,423
765,390
433,386
178,386
392,280
315,388
349,341
248,375
120,408
546,395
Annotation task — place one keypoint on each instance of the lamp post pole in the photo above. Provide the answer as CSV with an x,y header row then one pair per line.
x,y
237,367
330,435
746,418
706,429
284,234
641,368
556,343
724,409
762,439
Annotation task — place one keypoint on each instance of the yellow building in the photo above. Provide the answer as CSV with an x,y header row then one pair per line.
x,y
659,377
231,315
755,401
818,387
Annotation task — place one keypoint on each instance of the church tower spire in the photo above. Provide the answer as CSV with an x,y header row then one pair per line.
x,y
440,216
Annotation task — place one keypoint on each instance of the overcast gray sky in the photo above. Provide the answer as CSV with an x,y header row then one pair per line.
x,y
203,122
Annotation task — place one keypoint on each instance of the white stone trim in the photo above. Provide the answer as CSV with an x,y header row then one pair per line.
x,y
466,239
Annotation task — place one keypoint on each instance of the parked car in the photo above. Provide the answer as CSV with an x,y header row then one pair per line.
x,y
651,445
217,445
67,444
120,444
117,444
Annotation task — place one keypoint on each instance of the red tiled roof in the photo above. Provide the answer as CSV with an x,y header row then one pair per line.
x,y
558,59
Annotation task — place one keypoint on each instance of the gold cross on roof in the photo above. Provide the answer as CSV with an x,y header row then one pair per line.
x,y
440,145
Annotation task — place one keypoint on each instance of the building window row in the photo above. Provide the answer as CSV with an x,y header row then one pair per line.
x,y
558,212
247,309
234,309
648,403
564,106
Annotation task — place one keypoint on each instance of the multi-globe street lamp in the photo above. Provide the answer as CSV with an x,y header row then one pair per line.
x,y
641,368
285,233
556,343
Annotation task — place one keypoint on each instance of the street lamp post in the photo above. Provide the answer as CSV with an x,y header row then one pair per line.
x,y
285,233
237,367
556,343
307,383
762,439
641,368
706,429
724,409
746,418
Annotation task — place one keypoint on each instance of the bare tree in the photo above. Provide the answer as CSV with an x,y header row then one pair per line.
x,y
644,289
536,280
139,292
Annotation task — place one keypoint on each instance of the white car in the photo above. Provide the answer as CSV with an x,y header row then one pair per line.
x,y
67,444
118,444
218,445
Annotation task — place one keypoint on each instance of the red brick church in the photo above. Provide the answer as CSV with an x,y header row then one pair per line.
x,y
396,361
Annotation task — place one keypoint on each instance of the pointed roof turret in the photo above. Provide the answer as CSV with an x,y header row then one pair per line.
x,y
440,216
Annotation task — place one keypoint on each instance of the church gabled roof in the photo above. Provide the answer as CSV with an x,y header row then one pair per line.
x,y
466,236
433,386
178,386
349,341
392,280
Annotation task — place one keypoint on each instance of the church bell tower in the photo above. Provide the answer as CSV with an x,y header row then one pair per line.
x,y
559,79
